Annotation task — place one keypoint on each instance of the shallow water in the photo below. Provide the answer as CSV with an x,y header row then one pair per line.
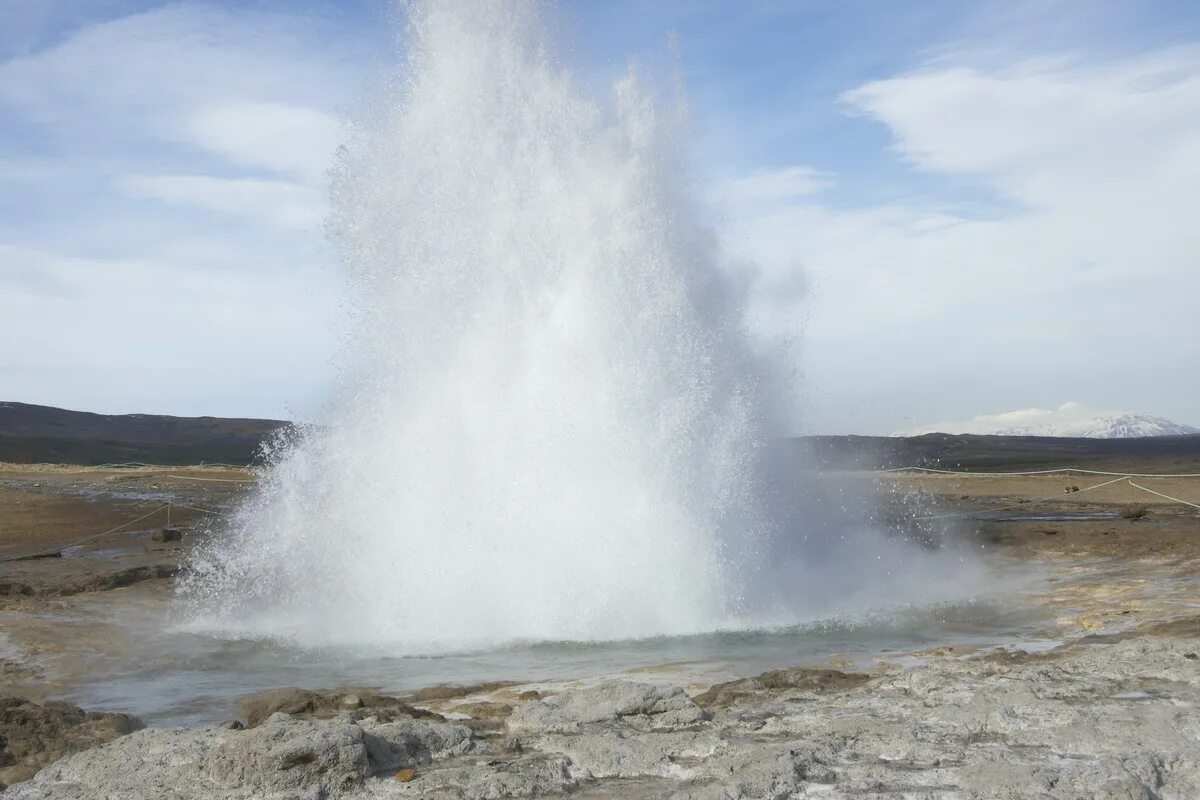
x,y
170,677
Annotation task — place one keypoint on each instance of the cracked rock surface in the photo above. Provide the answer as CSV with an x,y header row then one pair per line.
x,y
1088,720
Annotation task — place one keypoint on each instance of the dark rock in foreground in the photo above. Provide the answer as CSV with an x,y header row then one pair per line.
x,y
724,695
321,705
91,576
32,735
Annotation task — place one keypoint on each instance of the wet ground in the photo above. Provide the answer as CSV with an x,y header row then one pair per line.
x,y
93,623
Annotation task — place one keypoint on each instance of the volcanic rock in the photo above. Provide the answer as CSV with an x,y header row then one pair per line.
x,y
640,705
303,702
32,735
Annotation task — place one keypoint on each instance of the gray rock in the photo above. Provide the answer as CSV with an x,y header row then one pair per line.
x,y
1116,721
640,705
286,754
284,757
156,764
411,742
526,777
763,769
626,754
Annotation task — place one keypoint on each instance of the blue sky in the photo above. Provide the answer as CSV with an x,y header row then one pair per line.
x,y
965,208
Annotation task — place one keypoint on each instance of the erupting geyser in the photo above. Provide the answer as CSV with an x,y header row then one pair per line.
x,y
549,423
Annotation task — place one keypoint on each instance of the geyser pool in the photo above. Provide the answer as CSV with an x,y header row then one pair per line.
x,y
549,423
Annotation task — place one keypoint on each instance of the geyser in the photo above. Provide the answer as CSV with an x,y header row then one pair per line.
x,y
549,422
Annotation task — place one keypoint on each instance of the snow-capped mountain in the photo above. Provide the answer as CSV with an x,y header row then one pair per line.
x,y
1117,426
1070,419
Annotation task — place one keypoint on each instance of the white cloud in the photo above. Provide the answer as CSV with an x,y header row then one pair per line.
x,y
133,334
1083,284
916,309
280,203
136,141
779,184
147,74
1022,419
273,136
1045,131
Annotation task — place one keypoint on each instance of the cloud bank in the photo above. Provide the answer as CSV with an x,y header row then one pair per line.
x,y
169,254
952,222
1069,268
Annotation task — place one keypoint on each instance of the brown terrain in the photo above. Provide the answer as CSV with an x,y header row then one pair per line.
x,y
1119,564
50,514
1115,555
53,520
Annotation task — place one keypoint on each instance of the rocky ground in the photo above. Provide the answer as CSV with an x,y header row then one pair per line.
x,y
1110,713
1103,719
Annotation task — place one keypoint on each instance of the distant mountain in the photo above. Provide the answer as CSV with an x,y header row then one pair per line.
x,y
1119,426
984,453
32,434
1071,420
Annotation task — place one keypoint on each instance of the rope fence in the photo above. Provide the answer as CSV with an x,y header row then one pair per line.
x,y
1059,470
210,480
84,540
201,510
1022,504
61,547
1160,494
1120,477
121,464
1126,477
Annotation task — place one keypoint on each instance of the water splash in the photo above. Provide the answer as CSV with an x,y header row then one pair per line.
x,y
550,423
